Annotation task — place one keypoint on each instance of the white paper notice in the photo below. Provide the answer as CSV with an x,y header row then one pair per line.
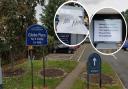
x,y
71,24
109,30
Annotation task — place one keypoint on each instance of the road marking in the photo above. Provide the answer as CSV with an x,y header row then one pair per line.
x,y
120,81
71,56
81,54
114,57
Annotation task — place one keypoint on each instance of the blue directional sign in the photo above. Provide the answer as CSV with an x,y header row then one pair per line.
x,y
94,64
36,35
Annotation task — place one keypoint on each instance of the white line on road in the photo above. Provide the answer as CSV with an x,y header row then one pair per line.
x,y
114,57
81,54
120,81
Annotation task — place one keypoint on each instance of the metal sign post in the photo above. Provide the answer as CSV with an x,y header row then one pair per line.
x,y
30,55
36,35
44,84
1,85
100,84
87,81
94,67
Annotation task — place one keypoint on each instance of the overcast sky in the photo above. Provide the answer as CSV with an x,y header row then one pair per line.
x,y
92,6
38,12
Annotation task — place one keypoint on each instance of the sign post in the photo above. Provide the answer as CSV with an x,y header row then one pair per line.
x,y
30,57
1,85
36,35
44,68
94,67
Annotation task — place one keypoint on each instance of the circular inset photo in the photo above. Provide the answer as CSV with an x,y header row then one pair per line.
x,y
108,31
71,23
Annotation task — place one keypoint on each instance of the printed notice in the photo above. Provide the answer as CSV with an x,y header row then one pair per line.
x,y
109,30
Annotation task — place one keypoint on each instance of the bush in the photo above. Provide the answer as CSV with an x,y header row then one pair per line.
x,y
38,51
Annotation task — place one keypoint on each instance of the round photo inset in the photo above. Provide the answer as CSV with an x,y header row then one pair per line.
x,y
71,23
108,31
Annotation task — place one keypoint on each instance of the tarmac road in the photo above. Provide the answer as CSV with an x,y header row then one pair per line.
x,y
119,63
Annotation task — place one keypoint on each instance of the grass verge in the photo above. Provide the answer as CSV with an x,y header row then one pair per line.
x,y
107,70
24,81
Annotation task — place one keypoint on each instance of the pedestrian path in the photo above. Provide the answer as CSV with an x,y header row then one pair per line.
x,y
78,52
70,79
68,82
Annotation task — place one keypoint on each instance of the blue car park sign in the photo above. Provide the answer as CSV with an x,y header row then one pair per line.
x,y
94,64
36,35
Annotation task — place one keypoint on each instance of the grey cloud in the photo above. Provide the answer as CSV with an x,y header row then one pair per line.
x,y
93,1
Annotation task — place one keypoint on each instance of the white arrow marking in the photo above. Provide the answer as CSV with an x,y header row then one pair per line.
x,y
94,61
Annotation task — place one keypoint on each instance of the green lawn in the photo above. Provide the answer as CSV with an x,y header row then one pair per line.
x,y
24,81
106,69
